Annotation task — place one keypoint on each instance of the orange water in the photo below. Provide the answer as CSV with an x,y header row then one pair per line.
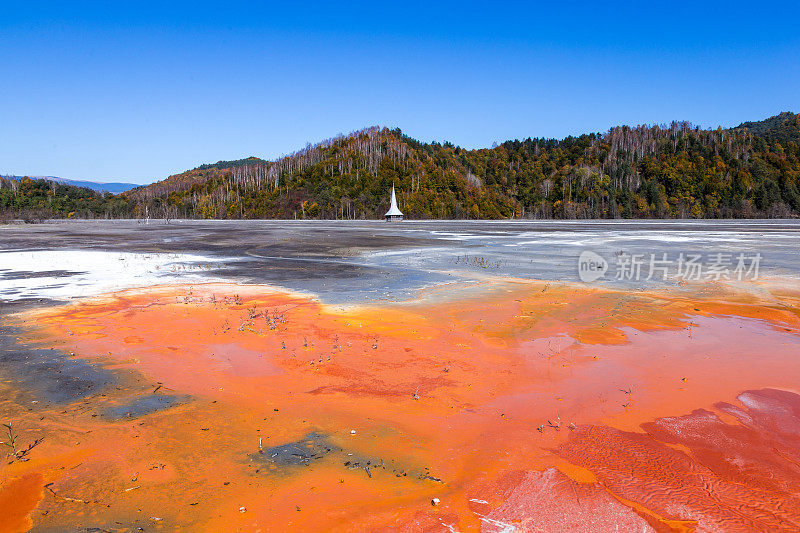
x,y
535,406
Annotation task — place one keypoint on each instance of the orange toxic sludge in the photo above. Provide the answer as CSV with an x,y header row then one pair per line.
x,y
253,409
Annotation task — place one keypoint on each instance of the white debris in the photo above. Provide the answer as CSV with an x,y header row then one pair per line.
x,y
63,274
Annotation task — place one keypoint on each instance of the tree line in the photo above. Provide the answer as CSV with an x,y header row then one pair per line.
x,y
672,170
39,199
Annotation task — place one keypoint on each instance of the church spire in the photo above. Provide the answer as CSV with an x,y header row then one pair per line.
x,y
394,212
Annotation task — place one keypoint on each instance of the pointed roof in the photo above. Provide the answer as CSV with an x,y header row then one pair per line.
x,y
394,210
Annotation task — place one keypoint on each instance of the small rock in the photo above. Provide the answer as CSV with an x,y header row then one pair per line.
x,y
352,431
435,502
242,509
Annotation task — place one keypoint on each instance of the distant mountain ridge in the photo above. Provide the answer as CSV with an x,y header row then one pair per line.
x,y
112,187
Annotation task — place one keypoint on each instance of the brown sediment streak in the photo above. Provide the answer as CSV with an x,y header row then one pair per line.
x,y
251,408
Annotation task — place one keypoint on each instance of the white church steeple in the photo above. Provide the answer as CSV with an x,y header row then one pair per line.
x,y
394,212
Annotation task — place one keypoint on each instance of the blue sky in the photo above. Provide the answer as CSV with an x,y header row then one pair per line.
x,y
135,91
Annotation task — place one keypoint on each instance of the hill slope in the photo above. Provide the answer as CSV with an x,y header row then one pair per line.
x,y
666,171
783,128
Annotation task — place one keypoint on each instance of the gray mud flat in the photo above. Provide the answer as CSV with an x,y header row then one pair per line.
x,y
313,447
48,374
357,261
143,405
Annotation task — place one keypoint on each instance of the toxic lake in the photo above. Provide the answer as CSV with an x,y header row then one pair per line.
x,y
406,376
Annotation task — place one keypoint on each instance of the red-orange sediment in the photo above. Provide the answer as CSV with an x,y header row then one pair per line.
x,y
535,406
18,497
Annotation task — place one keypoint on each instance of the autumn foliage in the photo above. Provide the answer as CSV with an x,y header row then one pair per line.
x,y
665,171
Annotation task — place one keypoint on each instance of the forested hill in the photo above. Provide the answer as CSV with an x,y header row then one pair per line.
x,y
666,171
784,128
674,170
